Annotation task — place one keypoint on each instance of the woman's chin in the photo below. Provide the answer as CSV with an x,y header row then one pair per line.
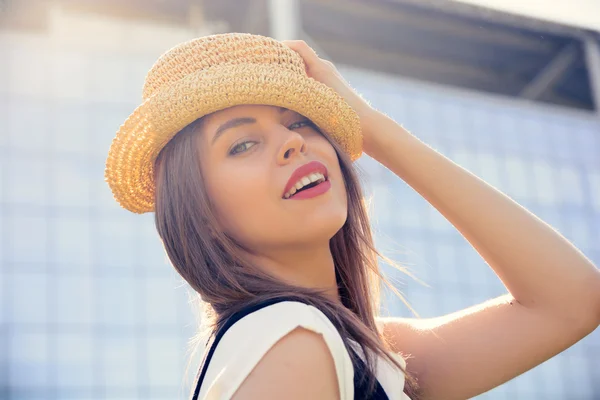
x,y
322,227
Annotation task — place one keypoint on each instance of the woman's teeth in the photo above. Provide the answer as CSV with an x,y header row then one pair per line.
x,y
307,180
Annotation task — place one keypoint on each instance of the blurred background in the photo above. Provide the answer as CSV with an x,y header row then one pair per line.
x,y
89,306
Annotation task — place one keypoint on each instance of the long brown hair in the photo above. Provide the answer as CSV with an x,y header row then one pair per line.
x,y
214,266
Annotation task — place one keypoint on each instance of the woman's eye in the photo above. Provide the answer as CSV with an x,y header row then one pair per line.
x,y
241,147
300,124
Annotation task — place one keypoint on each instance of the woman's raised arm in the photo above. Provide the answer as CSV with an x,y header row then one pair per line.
x,y
554,290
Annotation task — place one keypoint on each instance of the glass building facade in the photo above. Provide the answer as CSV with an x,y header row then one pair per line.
x,y
91,309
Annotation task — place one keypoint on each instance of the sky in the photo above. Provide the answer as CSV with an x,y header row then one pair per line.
x,y
580,13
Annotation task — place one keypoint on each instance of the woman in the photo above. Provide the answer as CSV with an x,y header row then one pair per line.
x,y
243,148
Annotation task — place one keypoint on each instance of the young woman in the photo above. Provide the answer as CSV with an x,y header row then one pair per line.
x,y
243,147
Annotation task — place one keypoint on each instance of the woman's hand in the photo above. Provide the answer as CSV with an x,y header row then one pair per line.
x,y
325,72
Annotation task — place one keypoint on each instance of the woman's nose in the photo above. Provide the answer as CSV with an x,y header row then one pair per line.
x,y
293,146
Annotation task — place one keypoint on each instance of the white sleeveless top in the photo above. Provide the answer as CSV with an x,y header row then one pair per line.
x,y
247,341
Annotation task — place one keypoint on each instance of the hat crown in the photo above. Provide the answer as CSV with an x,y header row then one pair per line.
x,y
214,51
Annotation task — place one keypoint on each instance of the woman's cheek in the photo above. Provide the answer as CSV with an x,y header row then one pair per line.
x,y
239,192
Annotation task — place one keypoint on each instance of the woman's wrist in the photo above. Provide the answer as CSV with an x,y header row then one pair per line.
x,y
378,131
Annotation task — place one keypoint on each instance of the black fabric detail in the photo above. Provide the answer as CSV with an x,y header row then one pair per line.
x,y
360,383
360,370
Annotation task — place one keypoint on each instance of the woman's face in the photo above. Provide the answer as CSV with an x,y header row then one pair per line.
x,y
250,160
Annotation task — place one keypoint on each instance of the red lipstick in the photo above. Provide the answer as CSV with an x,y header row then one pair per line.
x,y
301,172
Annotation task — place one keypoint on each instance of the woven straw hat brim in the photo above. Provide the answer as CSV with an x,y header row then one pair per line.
x,y
130,163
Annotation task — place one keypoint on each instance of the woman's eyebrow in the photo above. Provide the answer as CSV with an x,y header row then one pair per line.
x,y
232,123
235,122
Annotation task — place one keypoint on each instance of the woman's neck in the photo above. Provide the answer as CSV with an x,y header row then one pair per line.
x,y
309,267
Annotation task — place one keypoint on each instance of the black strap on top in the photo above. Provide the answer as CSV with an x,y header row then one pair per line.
x,y
360,386
361,390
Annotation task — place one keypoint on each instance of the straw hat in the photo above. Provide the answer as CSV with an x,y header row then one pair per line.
x,y
209,74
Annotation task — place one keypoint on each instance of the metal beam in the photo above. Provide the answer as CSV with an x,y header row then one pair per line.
x,y
484,13
284,19
410,18
551,73
409,64
592,58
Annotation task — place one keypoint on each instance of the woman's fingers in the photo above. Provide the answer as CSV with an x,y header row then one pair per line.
x,y
325,72
306,52
316,67
302,48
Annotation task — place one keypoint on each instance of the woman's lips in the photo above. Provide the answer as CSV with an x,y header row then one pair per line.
x,y
312,192
302,172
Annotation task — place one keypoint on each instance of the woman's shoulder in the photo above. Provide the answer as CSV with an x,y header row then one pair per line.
x,y
281,316
245,344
